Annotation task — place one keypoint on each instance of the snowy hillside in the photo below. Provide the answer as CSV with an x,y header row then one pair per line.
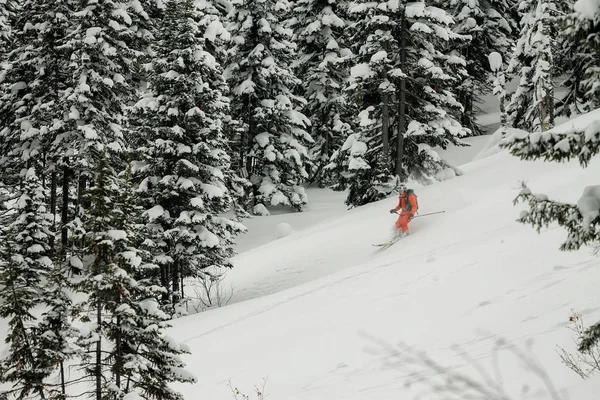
x,y
135,135
320,302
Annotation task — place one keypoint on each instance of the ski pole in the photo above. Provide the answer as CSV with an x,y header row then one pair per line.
x,y
424,215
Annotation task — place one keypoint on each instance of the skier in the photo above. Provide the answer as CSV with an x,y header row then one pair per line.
x,y
407,202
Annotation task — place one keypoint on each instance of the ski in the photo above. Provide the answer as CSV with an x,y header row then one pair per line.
x,y
388,244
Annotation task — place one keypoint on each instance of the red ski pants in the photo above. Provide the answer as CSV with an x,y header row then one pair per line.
x,y
403,221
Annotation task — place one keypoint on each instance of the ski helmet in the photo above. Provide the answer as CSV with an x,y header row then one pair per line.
x,y
401,187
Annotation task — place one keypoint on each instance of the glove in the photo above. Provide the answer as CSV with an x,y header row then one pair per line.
x,y
392,211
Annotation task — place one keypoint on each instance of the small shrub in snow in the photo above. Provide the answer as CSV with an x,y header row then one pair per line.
x,y
209,291
259,393
584,363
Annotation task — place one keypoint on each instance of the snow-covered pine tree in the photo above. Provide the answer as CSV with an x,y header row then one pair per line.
x,y
492,28
580,58
38,79
374,83
7,13
496,62
366,175
24,268
324,59
105,47
405,84
181,160
101,277
125,351
7,10
273,143
30,125
148,361
581,220
143,32
210,18
212,30
55,328
30,87
531,106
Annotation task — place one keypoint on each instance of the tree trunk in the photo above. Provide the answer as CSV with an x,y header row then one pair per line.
x,y
80,203
98,369
65,207
401,99
81,184
118,349
542,107
385,122
63,385
501,80
164,281
467,103
182,294
242,155
551,107
175,282
467,96
249,139
53,188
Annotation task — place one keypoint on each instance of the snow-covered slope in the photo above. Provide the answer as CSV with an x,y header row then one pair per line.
x,y
310,309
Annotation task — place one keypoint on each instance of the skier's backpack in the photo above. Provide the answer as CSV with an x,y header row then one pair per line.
x,y
409,193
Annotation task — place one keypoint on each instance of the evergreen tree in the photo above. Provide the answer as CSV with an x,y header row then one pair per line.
x,y
146,361
324,59
404,83
274,137
7,10
492,27
101,277
125,351
531,106
24,268
32,83
31,125
56,331
105,46
108,40
210,18
581,220
358,170
181,155
579,57
33,98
